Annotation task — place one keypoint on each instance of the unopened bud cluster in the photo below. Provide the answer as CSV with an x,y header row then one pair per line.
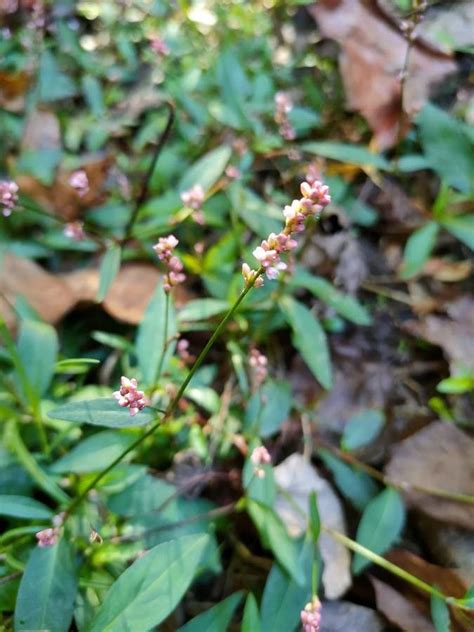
x,y
311,616
129,395
8,196
165,251
260,456
315,196
80,182
74,230
159,46
283,106
259,365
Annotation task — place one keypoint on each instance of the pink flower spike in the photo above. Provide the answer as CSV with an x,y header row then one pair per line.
x,y
159,46
130,396
48,537
193,197
74,231
80,182
8,196
311,616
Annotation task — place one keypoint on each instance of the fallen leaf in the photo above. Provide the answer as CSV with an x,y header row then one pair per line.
x,y
399,610
438,456
129,294
450,27
372,56
13,87
448,271
296,476
49,295
453,335
41,131
343,616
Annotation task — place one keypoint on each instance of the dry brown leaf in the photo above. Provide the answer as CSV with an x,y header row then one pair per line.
x,y
13,87
453,335
372,56
49,295
129,294
447,271
399,610
439,456
299,478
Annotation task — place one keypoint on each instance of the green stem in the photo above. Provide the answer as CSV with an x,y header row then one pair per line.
x,y
172,405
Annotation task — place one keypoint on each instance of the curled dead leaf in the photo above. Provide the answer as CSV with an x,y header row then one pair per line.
x,y
438,456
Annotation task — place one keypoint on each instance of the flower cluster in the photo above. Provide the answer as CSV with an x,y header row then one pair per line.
x,y
259,365
260,456
311,616
80,182
183,351
159,46
164,249
130,396
284,105
315,197
50,536
8,196
74,231
193,197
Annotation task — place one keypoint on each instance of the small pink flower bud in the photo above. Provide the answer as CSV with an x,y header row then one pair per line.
x,y
311,616
8,196
193,197
74,231
159,46
48,537
129,396
80,182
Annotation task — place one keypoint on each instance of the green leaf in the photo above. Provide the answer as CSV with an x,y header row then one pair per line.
x,y
52,83
447,146
145,495
93,93
380,526
283,599
251,616
268,408
263,218
109,266
275,537
468,598
309,338
207,170
456,384
94,453
216,619
48,589
23,507
150,589
100,412
75,365
355,485
462,227
37,349
345,305
151,336
347,153
234,89
262,490
202,309
418,249
41,164
440,614
362,428
412,162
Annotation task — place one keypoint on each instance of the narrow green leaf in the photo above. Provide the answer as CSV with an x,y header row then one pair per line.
x,y
314,519
268,408
207,170
263,218
217,618
149,590
37,349
75,365
456,384
94,453
362,428
462,227
468,599
275,536
418,249
146,494
52,83
202,309
23,507
93,94
345,305
355,485
48,589
251,617
151,335
109,268
309,338
347,153
283,599
380,526
100,412
440,614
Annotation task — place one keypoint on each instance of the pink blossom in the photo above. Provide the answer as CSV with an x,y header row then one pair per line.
x,y
129,395
193,197
80,182
8,196
232,172
311,616
48,537
174,274
183,350
260,456
249,276
165,246
159,46
74,231
284,105
259,365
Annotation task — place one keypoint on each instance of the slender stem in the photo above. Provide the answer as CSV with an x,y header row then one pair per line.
x,y
142,196
401,485
165,338
172,405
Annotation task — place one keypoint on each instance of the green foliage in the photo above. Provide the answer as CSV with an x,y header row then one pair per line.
x,y
251,617
217,619
109,268
37,351
99,412
362,428
380,526
440,614
23,507
418,249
